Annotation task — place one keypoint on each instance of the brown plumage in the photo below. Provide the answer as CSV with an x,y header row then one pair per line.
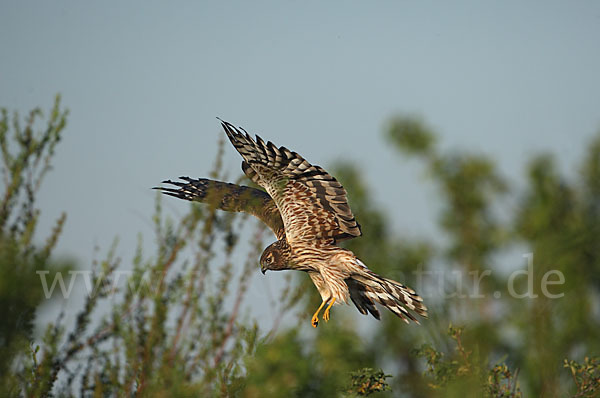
x,y
307,210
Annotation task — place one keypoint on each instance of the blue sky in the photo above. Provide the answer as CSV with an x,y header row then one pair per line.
x,y
144,81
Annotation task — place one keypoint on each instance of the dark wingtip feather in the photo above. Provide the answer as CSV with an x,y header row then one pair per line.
x,y
176,194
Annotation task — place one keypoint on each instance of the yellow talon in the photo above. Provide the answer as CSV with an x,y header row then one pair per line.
x,y
326,313
315,319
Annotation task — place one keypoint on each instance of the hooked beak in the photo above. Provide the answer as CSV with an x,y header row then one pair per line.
x,y
263,269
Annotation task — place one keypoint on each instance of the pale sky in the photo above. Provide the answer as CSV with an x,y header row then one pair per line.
x,y
145,81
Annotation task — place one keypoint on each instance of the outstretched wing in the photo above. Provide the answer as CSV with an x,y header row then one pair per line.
x,y
229,197
312,203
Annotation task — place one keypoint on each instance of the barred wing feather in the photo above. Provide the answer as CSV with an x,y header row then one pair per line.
x,y
229,197
313,204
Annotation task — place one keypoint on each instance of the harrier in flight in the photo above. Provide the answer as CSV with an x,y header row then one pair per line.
x,y
307,210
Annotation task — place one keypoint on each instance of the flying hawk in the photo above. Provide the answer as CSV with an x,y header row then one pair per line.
x,y
307,210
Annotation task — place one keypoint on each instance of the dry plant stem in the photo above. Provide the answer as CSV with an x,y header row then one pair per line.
x,y
204,246
514,387
461,349
242,289
238,300
166,267
181,324
198,268
229,329
89,342
189,294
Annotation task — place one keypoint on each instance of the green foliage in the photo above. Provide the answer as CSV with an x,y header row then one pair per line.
x,y
26,153
445,370
320,366
367,381
462,374
170,329
282,365
177,325
411,135
586,376
501,382
172,332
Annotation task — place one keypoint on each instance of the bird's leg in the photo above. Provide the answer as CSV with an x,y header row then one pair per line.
x,y
315,319
326,313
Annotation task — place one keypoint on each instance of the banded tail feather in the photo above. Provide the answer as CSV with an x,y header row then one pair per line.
x,y
368,287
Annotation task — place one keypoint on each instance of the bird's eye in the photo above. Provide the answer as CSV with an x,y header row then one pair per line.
x,y
270,259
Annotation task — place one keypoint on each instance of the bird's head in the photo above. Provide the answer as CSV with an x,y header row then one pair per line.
x,y
275,257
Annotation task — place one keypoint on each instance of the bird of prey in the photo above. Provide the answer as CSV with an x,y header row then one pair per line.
x,y
307,210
